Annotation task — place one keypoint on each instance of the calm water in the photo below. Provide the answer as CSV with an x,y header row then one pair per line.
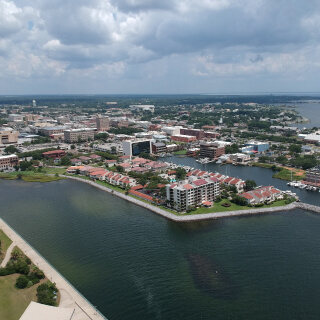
x,y
311,111
133,264
260,175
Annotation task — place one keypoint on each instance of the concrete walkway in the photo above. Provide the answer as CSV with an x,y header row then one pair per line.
x,y
70,297
8,255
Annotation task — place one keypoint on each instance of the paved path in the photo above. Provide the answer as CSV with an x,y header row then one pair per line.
x,y
70,297
8,255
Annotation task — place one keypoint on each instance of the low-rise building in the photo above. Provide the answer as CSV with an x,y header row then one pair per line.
x,y
8,162
313,175
159,147
183,138
261,195
54,154
75,135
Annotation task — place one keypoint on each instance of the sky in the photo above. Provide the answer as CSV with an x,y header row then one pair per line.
x,y
159,46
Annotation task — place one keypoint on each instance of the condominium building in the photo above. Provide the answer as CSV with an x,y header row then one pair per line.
x,y
192,192
211,150
75,135
7,162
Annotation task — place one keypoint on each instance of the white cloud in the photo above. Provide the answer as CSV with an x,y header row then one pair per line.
x,y
117,39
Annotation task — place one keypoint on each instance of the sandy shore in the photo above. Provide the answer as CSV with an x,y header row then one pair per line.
x,y
70,297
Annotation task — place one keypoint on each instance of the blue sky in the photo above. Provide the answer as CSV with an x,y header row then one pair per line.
x,y
152,46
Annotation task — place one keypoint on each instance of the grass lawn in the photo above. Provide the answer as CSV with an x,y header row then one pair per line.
x,y
13,302
180,152
29,176
53,170
5,243
285,174
217,207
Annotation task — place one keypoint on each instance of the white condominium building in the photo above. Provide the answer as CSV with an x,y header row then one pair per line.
x,y
193,191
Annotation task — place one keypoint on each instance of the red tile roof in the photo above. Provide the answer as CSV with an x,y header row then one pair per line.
x,y
140,194
138,187
188,186
200,182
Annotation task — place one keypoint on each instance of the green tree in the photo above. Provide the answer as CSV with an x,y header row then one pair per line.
x,y
250,185
65,161
180,173
282,159
25,165
294,148
22,282
10,150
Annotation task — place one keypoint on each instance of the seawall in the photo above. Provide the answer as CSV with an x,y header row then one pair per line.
x,y
69,296
198,217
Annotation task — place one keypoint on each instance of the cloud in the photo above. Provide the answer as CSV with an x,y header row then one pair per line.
x,y
127,39
258,58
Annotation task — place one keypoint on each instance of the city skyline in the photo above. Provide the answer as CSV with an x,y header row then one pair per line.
x,y
152,47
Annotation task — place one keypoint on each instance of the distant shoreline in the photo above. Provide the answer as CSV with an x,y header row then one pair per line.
x,y
203,216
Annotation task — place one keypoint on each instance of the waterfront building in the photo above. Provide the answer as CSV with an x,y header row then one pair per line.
x,y
261,195
159,147
8,162
240,157
192,192
135,147
211,150
313,175
255,147
75,135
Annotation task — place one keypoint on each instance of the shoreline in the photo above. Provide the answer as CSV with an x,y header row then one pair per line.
x,y
69,296
203,216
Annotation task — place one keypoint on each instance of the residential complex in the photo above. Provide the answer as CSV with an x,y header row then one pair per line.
x,y
261,195
193,191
